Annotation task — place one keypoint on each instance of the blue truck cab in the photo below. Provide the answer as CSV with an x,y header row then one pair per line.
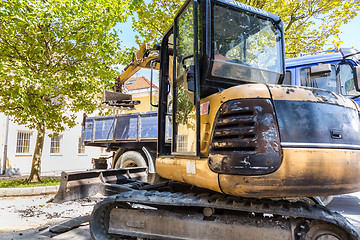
x,y
335,70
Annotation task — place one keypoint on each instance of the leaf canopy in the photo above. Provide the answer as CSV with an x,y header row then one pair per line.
x,y
55,57
309,24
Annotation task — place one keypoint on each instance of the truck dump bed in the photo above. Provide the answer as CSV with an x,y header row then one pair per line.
x,y
132,127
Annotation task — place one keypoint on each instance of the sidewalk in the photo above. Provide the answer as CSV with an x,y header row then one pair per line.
x,y
28,191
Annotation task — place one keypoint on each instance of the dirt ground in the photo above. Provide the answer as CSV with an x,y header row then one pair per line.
x,y
21,213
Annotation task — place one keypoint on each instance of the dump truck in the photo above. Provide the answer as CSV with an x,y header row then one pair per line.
x,y
331,70
132,138
246,156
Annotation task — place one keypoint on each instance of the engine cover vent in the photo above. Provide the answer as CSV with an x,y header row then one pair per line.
x,y
245,138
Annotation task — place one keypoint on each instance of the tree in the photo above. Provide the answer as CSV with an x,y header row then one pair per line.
x,y
153,19
54,58
308,24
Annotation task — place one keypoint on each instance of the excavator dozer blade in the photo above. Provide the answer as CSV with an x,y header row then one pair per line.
x,y
81,184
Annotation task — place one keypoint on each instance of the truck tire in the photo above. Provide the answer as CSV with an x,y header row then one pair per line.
x,y
130,159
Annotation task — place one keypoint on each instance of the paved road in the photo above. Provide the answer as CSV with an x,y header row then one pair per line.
x,y
347,205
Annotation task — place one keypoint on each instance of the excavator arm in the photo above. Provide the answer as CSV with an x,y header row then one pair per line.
x,y
146,57
142,59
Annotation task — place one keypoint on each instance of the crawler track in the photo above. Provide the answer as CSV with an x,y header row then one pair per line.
x,y
208,215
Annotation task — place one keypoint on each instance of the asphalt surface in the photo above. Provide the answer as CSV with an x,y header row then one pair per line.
x,y
347,205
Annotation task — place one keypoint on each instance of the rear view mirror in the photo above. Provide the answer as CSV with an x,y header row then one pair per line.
x,y
357,77
320,70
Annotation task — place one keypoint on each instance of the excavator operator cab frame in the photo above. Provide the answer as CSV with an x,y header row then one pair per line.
x,y
251,44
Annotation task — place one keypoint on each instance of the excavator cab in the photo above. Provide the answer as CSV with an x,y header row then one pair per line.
x,y
218,44
234,130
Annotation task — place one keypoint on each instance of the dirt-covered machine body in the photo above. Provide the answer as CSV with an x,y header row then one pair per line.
x,y
234,130
273,141
243,151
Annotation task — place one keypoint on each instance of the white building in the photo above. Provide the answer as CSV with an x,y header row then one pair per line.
x,y
62,153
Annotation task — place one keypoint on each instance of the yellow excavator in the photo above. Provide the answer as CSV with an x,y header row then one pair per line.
x,y
246,156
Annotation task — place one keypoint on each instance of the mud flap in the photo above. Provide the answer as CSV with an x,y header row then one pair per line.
x,y
81,184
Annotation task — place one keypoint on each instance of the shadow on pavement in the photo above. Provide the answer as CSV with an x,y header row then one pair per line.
x,y
80,233
345,204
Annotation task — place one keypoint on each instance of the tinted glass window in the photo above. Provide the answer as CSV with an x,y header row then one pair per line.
x,y
287,79
346,76
245,47
326,81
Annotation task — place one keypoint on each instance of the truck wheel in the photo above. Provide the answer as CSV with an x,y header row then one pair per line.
x,y
131,159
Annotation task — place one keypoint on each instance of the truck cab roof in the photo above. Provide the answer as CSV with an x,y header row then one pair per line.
x,y
330,56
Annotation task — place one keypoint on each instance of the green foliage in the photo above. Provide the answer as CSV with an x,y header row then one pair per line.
x,y
185,106
21,183
308,24
54,57
153,19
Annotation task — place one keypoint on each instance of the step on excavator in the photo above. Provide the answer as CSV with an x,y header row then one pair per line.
x,y
246,155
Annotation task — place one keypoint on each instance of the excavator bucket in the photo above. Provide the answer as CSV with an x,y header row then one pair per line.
x,y
118,99
81,184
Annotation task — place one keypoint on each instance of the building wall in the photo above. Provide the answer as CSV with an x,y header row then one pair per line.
x,y
144,98
66,160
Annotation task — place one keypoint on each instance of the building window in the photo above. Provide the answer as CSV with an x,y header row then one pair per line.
x,y
23,142
182,143
130,82
55,144
81,147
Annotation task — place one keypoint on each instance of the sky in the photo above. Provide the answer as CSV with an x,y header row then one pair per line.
x,y
351,33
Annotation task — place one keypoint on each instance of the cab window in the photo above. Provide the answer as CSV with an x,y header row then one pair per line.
x,y
346,77
287,79
326,81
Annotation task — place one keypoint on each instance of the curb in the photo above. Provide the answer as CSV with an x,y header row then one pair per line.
x,y
29,191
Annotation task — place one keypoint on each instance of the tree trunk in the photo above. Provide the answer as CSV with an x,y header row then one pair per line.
x,y
36,162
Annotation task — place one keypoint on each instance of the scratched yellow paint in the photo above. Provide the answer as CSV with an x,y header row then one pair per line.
x,y
303,172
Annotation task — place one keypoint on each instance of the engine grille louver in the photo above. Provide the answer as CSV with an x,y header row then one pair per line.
x,y
245,138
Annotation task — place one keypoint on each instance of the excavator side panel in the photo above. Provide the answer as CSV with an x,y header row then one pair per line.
x,y
304,172
193,171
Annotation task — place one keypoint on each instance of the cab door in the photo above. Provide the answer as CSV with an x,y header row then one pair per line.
x,y
179,121
185,140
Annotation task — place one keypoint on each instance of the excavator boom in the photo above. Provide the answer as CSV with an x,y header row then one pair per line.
x,y
148,58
